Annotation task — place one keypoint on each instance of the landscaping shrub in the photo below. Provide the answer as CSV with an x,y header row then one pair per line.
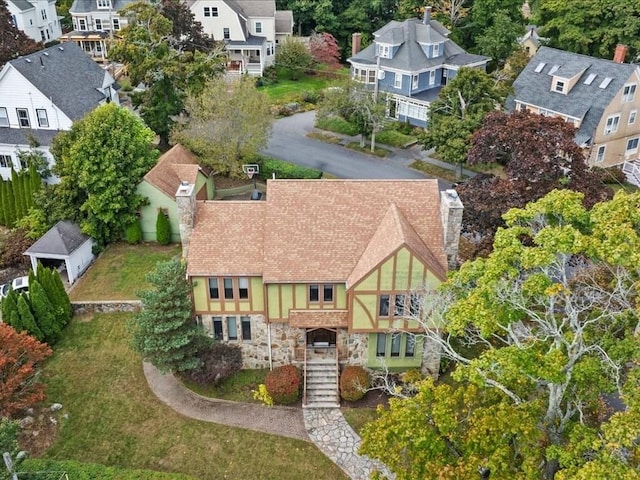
x,y
219,361
133,233
286,170
283,384
163,229
353,383
310,96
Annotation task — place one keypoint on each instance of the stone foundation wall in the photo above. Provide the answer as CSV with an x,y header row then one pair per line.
x,y
357,345
106,307
284,340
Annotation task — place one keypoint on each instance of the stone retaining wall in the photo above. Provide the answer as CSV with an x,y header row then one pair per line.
x,y
106,307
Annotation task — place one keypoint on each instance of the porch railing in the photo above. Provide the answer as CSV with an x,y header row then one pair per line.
x,y
631,169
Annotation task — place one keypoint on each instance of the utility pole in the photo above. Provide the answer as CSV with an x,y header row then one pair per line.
x,y
375,100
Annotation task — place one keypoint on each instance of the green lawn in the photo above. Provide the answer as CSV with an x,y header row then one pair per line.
x,y
435,171
119,272
358,417
287,90
238,388
114,419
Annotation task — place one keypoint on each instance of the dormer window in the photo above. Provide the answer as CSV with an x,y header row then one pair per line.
x,y
436,50
102,4
384,51
559,86
629,92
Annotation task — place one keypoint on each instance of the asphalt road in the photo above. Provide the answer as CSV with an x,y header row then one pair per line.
x,y
289,142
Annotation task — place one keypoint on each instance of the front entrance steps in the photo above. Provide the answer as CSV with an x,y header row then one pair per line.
x,y
322,384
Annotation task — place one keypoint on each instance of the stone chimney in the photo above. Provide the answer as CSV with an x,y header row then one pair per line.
x,y
186,203
451,214
356,43
427,16
621,53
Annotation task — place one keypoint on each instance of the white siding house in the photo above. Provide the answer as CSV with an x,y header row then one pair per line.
x,y
38,19
42,94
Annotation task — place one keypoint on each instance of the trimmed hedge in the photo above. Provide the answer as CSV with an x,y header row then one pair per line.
x,y
133,233
353,383
90,471
163,228
286,170
283,384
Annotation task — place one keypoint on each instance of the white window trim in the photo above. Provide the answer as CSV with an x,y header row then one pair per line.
x,y
628,97
4,118
436,50
103,4
415,82
631,151
559,83
9,158
633,114
46,118
27,117
432,77
615,122
397,81
600,154
82,24
258,27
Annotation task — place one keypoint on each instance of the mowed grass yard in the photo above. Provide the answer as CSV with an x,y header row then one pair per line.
x,y
118,273
114,419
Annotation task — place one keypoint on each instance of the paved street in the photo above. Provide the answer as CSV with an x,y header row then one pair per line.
x,y
289,142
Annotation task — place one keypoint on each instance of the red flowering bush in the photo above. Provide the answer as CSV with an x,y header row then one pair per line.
x,y
354,382
283,384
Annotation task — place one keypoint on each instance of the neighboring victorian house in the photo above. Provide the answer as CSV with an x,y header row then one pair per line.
x,y
43,93
598,96
411,61
321,274
38,19
160,184
531,41
250,30
94,22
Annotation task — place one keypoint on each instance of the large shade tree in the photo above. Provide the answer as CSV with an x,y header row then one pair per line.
x,y
538,154
548,323
13,42
226,125
100,162
165,49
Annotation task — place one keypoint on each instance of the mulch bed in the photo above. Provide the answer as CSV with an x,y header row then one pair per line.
x,y
372,399
223,183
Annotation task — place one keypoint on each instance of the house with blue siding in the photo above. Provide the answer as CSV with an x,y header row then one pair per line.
x,y
411,61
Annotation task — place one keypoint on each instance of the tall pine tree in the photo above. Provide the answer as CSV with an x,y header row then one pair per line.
x,y
63,296
27,318
44,313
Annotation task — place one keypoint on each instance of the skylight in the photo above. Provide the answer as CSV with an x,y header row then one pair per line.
x,y
590,79
554,69
605,83
540,67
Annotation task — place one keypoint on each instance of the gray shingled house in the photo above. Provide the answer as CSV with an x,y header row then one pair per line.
x,y
411,61
598,96
65,248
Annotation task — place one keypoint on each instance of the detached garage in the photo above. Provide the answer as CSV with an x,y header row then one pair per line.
x,y
64,248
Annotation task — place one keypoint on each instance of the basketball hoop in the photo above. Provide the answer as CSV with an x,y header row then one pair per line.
x,y
250,173
251,170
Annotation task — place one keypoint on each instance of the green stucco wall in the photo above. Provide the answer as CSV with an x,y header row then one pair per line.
x,y
202,303
394,363
149,212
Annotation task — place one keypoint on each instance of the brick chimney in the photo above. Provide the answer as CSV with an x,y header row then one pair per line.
x,y
186,203
356,43
451,214
427,16
621,53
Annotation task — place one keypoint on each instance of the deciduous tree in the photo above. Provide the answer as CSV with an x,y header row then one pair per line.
x,y
100,162
164,332
458,112
499,40
20,357
13,42
325,50
294,56
227,123
551,313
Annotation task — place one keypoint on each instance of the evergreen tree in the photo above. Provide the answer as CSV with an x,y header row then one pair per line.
x,y
44,313
62,295
163,229
18,195
34,178
9,203
164,333
45,278
28,192
3,203
10,313
27,319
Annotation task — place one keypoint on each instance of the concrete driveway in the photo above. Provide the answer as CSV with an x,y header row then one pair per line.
x,y
289,142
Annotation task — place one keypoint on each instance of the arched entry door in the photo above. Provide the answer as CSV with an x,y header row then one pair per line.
x,y
321,337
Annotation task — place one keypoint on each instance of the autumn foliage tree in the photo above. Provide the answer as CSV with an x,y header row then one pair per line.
x,y
20,355
538,154
325,50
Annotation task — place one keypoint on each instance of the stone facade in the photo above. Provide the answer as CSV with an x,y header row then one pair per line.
x,y
186,204
106,307
451,209
356,344
431,357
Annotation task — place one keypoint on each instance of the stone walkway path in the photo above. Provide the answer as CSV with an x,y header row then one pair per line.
x,y
325,427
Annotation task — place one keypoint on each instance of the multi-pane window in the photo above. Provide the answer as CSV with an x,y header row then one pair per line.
x,y
612,124
217,328
82,24
383,306
436,50
104,4
632,116
628,92
399,305
4,118
314,293
214,11
258,27
43,13
43,120
381,345
410,345
42,37
414,82
395,344
402,305
559,87
245,323
384,51
207,11
327,293
98,23
214,290
23,117
226,34
232,328
632,146
600,154
243,287
116,24
414,304
397,82
5,161
432,77
228,288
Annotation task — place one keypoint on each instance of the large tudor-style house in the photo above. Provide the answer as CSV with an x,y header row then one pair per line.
x,y
38,19
94,22
43,93
250,29
323,273
598,96
411,61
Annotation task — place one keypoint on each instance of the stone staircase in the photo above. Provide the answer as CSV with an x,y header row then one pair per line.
x,y
321,380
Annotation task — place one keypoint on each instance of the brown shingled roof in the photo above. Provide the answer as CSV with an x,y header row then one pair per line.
x,y
173,166
227,239
318,230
